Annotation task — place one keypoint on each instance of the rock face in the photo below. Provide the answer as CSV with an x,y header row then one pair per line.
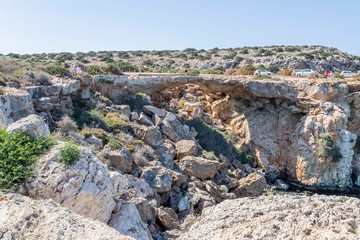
x,y
85,188
128,222
186,148
279,217
25,218
32,124
199,167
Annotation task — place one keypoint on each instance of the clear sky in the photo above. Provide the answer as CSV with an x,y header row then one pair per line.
x,y
36,26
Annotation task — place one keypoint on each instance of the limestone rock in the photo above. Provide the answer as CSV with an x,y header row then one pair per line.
x,y
25,218
186,148
158,178
32,124
17,103
121,160
120,182
167,217
146,211
173,129
150,110
128,222
145,120
153,137
272,217
199,167
252,185
85,188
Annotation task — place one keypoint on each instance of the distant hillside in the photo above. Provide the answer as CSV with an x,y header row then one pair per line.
x,y
215,60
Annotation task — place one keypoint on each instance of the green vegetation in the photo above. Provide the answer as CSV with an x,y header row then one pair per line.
x,y
337,75
213,140
57,70
209,155
218,70
261,77
118,67
114,120
326,148
95,70
169,70
137,101
105,80
69,154
18,153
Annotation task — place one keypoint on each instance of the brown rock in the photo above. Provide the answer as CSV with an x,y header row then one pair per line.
x,y
199,167
186,148
252,185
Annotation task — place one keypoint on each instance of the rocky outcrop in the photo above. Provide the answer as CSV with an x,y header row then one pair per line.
x,y
186,148
32,124
279,217
85,188
128,222
25,218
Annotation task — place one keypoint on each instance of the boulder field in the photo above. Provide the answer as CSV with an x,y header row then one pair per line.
x,y
193,161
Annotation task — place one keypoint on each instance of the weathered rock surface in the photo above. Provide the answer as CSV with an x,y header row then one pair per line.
x,y
279,217
85,188
158,178
199,167
121,159
32,124
25,218
186,148
17,103
128,222
153,137
150,110
251,185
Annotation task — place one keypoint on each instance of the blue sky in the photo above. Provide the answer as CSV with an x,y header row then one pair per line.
x,y
36,26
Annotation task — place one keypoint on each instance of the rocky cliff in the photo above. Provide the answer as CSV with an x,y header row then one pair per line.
x,y
159,150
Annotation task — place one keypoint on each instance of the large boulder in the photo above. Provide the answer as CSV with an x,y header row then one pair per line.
x,y
199,167
290,216
186,148
173,129
158,178
18,103
150,110
32,124
251,185
25,218
120,159
128,222
85,187
153,137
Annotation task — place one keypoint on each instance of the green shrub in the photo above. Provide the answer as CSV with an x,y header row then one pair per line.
x,y
69,154
95,70
105,80
118,67
326,148
57,70
137,101
261,77
209,155
169,70
18,152
213,71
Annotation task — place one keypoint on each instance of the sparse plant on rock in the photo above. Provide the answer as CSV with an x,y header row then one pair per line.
x,y
326,148
69,154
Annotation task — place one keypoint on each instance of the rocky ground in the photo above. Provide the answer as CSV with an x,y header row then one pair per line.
x,y
279,217
158,155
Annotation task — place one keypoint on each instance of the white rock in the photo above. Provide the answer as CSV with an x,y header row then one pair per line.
x,y
31,124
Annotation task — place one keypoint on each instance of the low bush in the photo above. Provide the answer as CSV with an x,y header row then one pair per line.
x,y
18,153
118,67
213,71
137,101
69,154
114,120
95,70
57,70
261,77
285,72
326,148
245,70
